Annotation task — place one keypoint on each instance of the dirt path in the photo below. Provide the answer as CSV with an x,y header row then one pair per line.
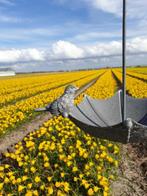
x,y
131,178
14,137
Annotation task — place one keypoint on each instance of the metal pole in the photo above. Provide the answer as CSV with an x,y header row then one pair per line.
x,y
124,61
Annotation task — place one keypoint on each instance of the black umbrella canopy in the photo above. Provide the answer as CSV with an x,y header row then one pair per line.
x,y
103,118
121,118
108,112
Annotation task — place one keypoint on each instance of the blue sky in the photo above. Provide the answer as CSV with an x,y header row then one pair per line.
x,y
41,34
37,23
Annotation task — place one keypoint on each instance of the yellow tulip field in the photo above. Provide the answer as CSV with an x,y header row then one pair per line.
x,y
59,158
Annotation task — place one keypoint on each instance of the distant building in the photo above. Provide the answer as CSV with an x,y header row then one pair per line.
x,y
7,72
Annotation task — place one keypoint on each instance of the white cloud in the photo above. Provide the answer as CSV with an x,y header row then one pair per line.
x,y
15,55
137,45
135,8
64,49
104,49
32,54
96,35
111,6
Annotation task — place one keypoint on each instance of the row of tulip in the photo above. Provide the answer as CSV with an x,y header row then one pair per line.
x,y
135,87
138,75
141,70
13,114
44,83
60,159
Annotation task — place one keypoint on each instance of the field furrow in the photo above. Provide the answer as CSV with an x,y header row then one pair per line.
x,y
14,114
135,87
104,88
139,76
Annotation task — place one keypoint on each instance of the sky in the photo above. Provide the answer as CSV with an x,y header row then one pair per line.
x,y
45,35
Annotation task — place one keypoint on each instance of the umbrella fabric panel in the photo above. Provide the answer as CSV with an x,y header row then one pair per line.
x,y
78,113
136,109
101,113
108,110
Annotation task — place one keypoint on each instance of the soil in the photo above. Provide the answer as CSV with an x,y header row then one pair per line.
x,y
7,143
132,172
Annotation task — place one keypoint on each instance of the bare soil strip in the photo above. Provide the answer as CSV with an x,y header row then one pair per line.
x,y
118,82
136,77
138,72
14,137
131,179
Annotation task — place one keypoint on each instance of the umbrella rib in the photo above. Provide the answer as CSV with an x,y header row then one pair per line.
x,y
96,112
86,116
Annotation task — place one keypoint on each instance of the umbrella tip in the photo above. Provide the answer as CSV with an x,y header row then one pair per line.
x,y
128,123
